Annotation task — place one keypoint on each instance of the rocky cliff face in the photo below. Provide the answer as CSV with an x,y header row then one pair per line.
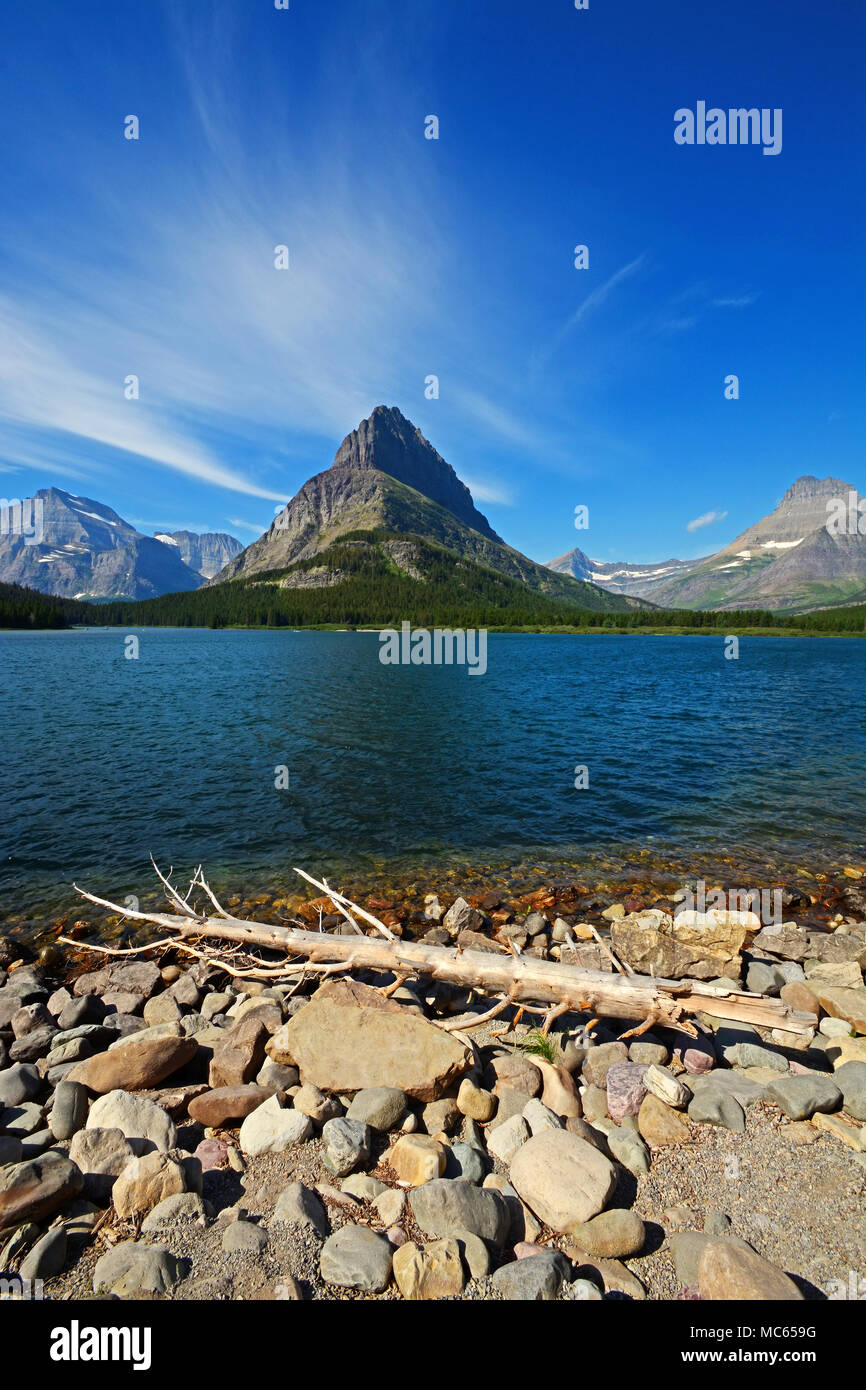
x,y
207,553
87,551
389,443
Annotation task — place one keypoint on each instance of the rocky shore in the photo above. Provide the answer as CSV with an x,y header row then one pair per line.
x,y
167,1130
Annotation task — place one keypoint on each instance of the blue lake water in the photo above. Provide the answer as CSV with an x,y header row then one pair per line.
x,y
411,771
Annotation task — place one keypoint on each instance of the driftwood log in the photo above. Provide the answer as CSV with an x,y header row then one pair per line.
x,y
514,979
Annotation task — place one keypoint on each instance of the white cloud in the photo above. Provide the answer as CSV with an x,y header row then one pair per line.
x,y
707,519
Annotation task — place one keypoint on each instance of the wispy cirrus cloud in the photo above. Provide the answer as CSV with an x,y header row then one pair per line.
x,y
707,519
589,306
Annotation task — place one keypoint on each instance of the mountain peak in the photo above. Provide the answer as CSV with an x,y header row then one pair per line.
x,y
807,488
388,442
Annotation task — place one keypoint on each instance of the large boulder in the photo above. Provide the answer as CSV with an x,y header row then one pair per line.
x,y
564,1180
447,1206
734,1273
700,945
32,1190
134,1065
135,1116
350,1037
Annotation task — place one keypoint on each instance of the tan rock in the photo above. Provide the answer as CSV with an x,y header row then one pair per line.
x,y
844,1050
417,1158
475,1102
852,1135
146,1181
428,1272
350,1037
559,1092
733,1273
659,1125
135,1065
238,1057
697,945
666,1087
613,1234
227,1103
800,997
562,1178
849,1004
614,1276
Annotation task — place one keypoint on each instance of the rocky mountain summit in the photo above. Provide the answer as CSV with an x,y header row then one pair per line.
x,y
206,553
86,550
794,558
387,477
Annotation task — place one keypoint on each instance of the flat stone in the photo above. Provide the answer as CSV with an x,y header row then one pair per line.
x,y
714,1106
629,1149
538,1278
751,1055
35,1188
660,1125
444,1207
272,1129
744,1089
349,1037
666,1087
429,1272
390,1205
800,1096
842,1129
134,1064
613,1234
133,1268
562,1179
849,1004
135,1116
244,1238
381,1107
180,1209
356,1258
218,1107
22,1120
731,1272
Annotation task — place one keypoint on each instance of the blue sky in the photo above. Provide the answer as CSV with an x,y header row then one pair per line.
x,y
412,257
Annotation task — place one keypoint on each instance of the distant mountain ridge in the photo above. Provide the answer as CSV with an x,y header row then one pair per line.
x,y
790,559
387,477
207,553
87,551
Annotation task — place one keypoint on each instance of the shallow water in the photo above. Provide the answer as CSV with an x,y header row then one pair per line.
x,y
422,775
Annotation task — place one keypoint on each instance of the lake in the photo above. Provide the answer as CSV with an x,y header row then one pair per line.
x,y
421,775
